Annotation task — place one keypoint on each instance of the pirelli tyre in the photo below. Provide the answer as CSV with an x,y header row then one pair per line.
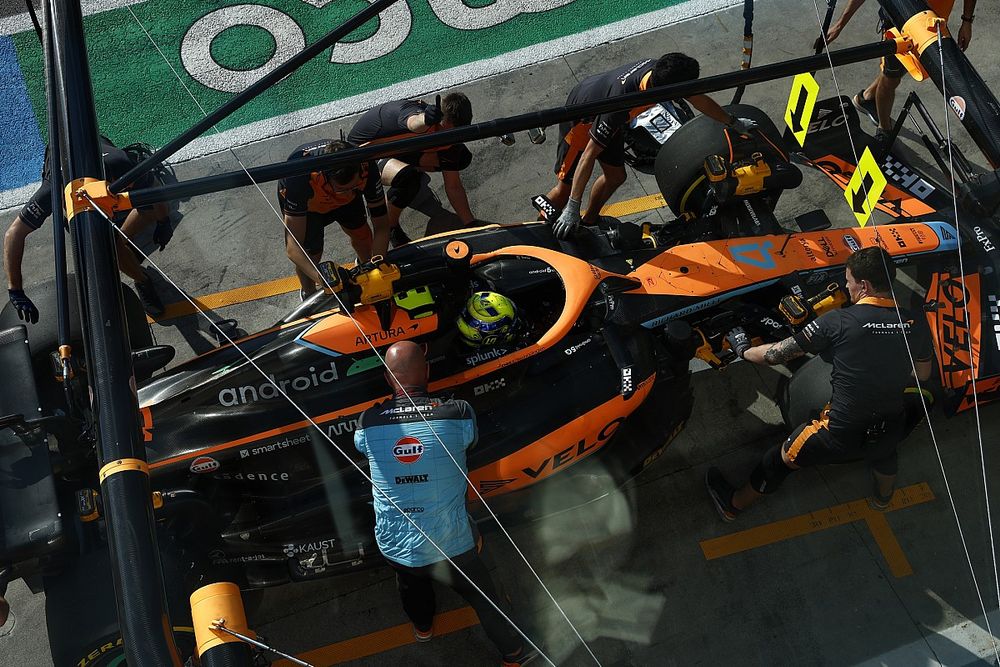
x,y
806,393
679,167
82,619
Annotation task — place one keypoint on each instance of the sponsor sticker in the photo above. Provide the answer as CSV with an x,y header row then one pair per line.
x,y
408,450
851,243
499,383
572,349
957,104
292,550
204,464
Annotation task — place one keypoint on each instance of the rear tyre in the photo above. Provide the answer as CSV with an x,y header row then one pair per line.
x,y
679,165
803,396
82,618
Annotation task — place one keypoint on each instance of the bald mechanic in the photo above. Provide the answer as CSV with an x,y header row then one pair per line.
x,y
39,208
877,99
311,202
410,466
404,119
871,370
602,139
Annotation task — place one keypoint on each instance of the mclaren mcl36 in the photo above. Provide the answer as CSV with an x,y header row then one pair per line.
x,y
247,489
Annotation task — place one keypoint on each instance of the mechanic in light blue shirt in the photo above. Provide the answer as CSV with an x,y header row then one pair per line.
x,y
407,443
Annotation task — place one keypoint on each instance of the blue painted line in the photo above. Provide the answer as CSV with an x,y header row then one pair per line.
x,y
21,146
313,346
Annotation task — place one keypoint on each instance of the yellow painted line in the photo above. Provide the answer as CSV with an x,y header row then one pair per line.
x,y
289,284
229,298
633,206
887,543
383,640
830,517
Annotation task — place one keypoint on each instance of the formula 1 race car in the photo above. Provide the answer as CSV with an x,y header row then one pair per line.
x,y
249,489
253,488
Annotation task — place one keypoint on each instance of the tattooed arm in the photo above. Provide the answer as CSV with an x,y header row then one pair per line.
x,y
773,354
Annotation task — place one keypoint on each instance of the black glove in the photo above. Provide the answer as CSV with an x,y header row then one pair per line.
x,y
738,341
26,310
163,233
433,114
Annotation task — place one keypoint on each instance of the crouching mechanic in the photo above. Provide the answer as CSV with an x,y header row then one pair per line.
x,y
313,201
401,176
39,208
602,139
867,345
408,452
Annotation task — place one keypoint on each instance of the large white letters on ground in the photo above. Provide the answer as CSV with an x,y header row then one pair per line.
x,y
457,14
196,48
393,29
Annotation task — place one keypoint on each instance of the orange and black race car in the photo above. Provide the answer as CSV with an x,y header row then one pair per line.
x,y
246,489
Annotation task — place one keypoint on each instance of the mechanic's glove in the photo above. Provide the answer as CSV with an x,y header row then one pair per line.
x,y
163,233
433,114
568,221
26,310
742,125
739,341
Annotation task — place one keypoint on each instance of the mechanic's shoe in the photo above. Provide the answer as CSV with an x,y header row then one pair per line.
x,y
423,635
882,141
526,656
149,298
866,107
398,237
721,493
879,502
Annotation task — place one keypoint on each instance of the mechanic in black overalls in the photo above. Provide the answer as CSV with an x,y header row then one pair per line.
x,y
401,175
871,369
602,139
38,209
312,202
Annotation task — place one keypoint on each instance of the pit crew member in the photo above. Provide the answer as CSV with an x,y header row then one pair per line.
x,y
602,139
39,208
401,177
406,447
313,201
877,99
867,345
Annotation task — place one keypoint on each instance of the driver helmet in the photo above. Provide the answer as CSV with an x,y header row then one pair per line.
x,y
488,319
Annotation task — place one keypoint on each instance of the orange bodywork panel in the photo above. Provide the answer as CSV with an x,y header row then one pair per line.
x,y
956,342
712,267
338,334
567,445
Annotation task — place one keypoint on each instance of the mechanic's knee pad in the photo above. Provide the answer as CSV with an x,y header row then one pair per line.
x,y
404,187
770,472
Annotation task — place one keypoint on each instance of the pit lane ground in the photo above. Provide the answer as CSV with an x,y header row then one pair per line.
x,y
635,571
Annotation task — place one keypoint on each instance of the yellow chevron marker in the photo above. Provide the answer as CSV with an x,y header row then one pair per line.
x,y
865,188
801,101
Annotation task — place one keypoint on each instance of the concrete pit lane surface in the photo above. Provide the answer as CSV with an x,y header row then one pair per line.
x,y
648,574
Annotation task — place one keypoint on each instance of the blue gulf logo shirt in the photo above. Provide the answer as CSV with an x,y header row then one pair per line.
x,y
410,465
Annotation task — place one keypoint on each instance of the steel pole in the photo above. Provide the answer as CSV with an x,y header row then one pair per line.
x,y
135,564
